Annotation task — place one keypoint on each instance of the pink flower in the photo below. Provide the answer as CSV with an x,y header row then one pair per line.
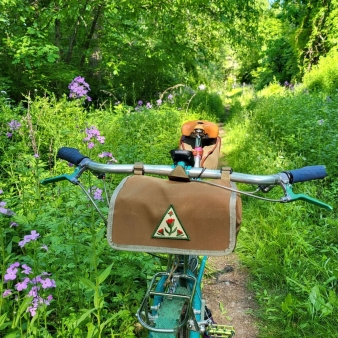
x,y
22,285
48,283
11,274
32,237
7,293
26,269
100,139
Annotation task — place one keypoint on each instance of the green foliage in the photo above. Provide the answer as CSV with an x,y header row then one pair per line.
x,y
323,78
277,60
209,103
97,290
291,249
314,27
150,45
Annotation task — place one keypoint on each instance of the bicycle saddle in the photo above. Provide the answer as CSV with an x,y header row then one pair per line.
x,y
210,130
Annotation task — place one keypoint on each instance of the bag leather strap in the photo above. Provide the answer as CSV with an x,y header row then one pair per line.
x,y
226,171
138,168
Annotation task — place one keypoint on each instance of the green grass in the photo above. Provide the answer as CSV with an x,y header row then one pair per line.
x,y
291,250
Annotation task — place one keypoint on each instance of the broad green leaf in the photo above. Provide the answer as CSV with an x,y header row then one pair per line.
x,y
103,276
22,308
3,318
87,283
76,323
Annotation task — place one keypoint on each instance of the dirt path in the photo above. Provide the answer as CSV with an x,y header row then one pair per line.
x,y
226,293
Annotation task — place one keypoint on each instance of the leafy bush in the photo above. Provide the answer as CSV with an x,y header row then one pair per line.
x,y
324,76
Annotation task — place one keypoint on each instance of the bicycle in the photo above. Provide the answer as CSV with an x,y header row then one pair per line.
x,y
173,305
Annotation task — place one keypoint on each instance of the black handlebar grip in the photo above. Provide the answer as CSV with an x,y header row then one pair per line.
x,y
307,173
71,155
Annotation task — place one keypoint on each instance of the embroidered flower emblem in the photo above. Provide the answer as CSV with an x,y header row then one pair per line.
x,y
179,233
170,221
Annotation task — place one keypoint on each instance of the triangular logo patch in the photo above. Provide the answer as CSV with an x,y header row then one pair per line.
x,y
170,227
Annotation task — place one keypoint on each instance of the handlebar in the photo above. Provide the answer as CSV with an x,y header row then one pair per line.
x,y
284,179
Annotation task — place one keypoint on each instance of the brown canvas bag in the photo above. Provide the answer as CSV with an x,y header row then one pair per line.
x,y
149,214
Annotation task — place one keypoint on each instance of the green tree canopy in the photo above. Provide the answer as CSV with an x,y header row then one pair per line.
x,y
150,43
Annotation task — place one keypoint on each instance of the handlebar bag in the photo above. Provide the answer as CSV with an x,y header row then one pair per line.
x,y
149,214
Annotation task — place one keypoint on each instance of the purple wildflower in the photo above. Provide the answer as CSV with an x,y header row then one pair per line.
x,y
159,102
32,237
14,265
149,105
32,310
36,155
105,154
100,139
46,273
44,246
79,88
140,103
170,98
13,224
22,285
49,298
1,191
2,209
98,194
109,155
48,283
11,272
14,125
26,269
93,132
34,291
9,135
37,280
7,293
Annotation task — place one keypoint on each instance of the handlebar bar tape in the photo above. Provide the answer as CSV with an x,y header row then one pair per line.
x,y
307,173
71,155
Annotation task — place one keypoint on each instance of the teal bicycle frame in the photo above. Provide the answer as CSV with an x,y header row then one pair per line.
x,y
177,291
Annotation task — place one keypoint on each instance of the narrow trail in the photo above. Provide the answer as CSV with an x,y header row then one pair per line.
x,y
226,293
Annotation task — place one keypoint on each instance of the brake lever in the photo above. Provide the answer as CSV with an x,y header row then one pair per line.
x,y
289,196
72,178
